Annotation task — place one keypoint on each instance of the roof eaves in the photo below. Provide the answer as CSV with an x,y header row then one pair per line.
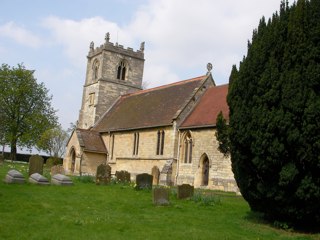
x,y
137,128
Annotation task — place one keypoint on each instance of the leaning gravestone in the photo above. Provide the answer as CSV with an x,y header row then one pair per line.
x,y
60,179
103,175
123,176
144,181
56,170
35,164
160,196
155,172
14,176
38,179
185,191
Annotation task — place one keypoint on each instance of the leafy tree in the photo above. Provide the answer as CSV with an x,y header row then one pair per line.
x,y
274,102
25,107
53,141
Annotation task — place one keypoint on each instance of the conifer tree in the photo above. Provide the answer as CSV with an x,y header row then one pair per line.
x,y
274,101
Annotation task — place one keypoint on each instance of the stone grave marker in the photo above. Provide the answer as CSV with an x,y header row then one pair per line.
x,y
60,179
155,172
185,191
56,170
35,164
103,175
144,181
38,179
123,176
160,196
14,176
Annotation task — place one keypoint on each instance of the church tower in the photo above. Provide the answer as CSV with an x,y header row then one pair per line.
x,y
112,71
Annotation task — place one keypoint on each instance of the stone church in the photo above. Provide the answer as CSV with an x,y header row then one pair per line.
x,y
170,129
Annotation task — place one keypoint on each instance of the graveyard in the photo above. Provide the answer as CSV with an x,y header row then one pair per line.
x,y
51,205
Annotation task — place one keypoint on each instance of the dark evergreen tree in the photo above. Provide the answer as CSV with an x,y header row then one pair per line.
x,y
274,102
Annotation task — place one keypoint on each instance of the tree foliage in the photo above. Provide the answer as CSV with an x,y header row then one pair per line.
x,y
274,102
25,108
53,142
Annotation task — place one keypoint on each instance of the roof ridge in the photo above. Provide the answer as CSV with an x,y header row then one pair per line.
x,y
165,86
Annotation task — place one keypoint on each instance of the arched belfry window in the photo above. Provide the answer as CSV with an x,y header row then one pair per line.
x,y
187,145
95,70
122,70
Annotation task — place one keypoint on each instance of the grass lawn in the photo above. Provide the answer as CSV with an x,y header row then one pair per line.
x,y
87,211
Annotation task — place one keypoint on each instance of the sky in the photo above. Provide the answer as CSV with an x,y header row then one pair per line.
x,y
52,37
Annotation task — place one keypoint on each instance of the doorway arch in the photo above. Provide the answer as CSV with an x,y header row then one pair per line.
x,y
204,170
73,159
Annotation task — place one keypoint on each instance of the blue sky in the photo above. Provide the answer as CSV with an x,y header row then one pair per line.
x,y
182,36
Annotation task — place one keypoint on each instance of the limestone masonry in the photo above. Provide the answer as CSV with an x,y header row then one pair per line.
x,y
170,128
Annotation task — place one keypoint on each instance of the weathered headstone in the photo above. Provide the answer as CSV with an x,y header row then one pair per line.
x,y
185,191
166,174
60,179
123,176
155,172
14,176
103,175
35,164
144,181
160,196
56,170
38,179
1,159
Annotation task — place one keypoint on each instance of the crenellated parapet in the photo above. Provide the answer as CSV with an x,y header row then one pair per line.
x,y
117,48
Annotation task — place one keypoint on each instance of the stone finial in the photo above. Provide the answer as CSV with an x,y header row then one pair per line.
x,y
209,67
142,46
91,46
107,37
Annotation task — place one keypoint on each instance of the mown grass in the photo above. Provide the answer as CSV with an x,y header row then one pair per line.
x,y
87,211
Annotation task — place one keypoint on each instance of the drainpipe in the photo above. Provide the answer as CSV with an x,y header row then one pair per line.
x,y
178,156
81,158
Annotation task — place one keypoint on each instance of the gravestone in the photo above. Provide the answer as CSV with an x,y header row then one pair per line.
x,y
155,172
144,181
103,175
56,170
38,179
1,159
123,176
60,179
35,164
14,176
185,191
160,196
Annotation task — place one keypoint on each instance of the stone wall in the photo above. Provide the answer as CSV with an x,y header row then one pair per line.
x,y
73,146
123,158
220,174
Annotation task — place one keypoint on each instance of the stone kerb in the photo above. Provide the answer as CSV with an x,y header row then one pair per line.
x,y
160,196
103,175
14,176
35,164
37,178
185,191
144,181
123,176
155,172
60,179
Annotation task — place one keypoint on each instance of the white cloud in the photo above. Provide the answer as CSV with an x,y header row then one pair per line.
x,y
75,36
20,35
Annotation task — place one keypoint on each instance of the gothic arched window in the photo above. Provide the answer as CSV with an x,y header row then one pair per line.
x,y
95,70
160,142
187,146
122,71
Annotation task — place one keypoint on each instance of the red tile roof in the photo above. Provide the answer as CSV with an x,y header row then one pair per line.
x,y
206,111
148,108
91,141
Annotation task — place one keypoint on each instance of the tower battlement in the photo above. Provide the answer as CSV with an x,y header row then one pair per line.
x,y
109,46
